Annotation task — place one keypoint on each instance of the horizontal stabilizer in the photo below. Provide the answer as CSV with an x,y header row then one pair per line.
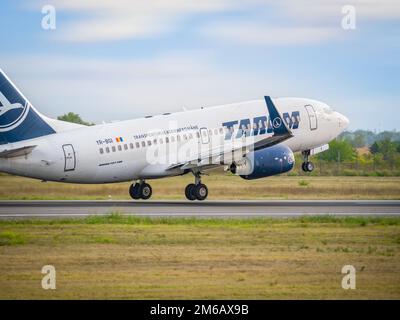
x,y
18,152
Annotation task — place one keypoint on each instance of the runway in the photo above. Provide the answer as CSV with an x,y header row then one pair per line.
x,y
255,208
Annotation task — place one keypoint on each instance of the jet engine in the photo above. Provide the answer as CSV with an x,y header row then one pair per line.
x,y
264,163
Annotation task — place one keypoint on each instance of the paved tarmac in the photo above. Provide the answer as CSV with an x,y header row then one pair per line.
x,y
209,208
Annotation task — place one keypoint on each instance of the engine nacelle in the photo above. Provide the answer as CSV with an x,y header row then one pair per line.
x,y
264,163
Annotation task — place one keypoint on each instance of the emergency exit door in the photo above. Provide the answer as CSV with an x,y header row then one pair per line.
x,y
69,157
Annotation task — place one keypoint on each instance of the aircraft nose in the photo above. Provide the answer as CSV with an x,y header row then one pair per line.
x,y
343,121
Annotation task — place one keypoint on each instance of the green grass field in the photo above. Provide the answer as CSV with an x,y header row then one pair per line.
x,y
220,187
138,258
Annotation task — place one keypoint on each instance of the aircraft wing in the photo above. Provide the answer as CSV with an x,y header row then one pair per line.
x,y
17,152
210,158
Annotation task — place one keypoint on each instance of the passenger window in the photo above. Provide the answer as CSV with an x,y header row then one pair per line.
x,y
221,130
143,144
198,134
166,140
125,146
178,138
119,147
101,150
137,145
161,140
149,143
155,141
190,136
113,149
108,150
131,145
184,137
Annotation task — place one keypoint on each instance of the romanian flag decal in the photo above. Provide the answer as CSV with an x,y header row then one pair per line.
x,y
119,139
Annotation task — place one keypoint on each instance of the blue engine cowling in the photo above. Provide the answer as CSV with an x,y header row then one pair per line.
x,y
264,163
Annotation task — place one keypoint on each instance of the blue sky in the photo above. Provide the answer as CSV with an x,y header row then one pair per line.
x,y
115,60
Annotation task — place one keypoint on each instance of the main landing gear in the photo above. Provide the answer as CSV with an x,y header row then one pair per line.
x,y
140,190
307,165
197,190
193,191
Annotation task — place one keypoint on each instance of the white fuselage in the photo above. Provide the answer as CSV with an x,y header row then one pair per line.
x,y
117,152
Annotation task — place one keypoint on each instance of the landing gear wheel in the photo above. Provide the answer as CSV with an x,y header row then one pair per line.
x,y
140,191
145,191
196,190
134,191
189,192
307,166
201,192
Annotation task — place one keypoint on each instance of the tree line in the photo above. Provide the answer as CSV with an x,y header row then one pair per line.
x,y
363,152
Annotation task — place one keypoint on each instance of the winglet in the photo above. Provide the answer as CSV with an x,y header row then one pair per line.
x,y
278,124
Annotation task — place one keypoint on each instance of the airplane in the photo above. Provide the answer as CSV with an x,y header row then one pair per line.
x,y
253,139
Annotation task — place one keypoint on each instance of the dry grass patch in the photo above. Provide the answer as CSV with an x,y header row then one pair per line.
x,y
141,258
220,186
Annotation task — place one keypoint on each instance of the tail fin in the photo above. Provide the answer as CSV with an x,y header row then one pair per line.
x,y
279,125
19,120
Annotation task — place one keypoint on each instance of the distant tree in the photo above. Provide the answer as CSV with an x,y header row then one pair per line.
x,y
339,150
359,140
374,148
385,135
386,149
74,118
346,135
365,159
363,138
397,146
366,135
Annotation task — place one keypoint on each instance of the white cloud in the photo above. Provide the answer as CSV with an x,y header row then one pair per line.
x,y
103,20
300,21
328,9
307,21
264,34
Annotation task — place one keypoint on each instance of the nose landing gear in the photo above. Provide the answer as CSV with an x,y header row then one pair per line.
x,y
197,190
307,165
140,190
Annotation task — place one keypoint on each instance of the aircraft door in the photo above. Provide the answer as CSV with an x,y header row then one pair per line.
x,y
312,116
69,157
